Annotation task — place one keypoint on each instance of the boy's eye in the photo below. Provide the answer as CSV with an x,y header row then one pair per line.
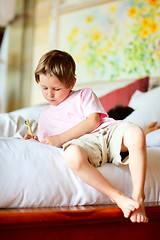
x,y
56,89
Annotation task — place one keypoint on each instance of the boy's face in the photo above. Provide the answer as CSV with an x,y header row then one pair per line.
x,y
53,90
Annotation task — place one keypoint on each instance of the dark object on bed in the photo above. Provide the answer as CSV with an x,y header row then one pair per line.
x,y
120,112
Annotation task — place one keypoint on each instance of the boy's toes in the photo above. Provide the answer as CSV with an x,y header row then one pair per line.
x,y
145,220
138,218
127,213
133,219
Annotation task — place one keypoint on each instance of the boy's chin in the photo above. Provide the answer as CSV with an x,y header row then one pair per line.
x,y
54,103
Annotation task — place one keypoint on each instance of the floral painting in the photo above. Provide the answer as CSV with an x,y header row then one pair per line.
x,y
113,40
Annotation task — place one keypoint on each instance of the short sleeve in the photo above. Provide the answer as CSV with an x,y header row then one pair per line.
x,y
90,103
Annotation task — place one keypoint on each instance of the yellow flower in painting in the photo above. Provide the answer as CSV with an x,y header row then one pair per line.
x,y
109,44
145,22
144,10
78,58
151,25
70,38
84,47
128,36
154,27
157,54
96,35
136,42
137,1
100,51
138,19
73,33
113,9
75,30
144,33
89,18
153,2
132,11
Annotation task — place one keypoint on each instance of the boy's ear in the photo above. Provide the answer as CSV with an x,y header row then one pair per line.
x,y
73,83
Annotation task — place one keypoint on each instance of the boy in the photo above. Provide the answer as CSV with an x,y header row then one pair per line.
x,y
76,121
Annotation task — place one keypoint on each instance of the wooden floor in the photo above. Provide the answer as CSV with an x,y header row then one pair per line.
x,y
81,222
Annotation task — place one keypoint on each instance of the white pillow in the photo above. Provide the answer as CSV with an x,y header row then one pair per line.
x,y
153,139
147,108
140,99
145,115
13,124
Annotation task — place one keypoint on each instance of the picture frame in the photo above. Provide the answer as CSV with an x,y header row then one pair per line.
x,y
107,40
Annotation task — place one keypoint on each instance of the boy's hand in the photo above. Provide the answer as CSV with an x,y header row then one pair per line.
x,y
53,140
28,136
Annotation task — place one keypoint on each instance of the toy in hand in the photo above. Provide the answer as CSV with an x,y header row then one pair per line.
x,y
29,128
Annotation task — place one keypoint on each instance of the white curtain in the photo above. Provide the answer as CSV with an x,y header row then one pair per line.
x,y
7,11
3,68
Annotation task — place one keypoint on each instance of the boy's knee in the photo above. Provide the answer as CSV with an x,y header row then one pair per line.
x,y
75,157
134,135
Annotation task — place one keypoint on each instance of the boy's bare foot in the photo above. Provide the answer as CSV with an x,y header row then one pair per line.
x,y
127,205
139,214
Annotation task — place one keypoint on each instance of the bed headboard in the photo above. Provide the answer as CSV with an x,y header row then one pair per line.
x,y
123,95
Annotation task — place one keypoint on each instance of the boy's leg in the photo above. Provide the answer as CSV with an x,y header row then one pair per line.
x,y
134,141
77,159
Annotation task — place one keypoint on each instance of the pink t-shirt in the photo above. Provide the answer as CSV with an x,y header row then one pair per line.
x,y
76,107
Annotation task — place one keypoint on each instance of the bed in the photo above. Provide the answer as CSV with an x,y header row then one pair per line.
x,y
37,199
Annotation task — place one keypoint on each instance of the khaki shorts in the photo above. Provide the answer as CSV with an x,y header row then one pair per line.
x,y
104,145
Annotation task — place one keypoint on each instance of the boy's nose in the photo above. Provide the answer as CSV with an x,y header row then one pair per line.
x,y
50,93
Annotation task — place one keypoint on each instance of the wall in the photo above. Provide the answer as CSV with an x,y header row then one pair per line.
x,y
139,61
43,31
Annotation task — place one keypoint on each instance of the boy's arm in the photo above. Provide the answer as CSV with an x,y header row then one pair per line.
x,y
86,126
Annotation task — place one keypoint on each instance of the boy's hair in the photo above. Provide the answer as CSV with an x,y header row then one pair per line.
x,y
57,63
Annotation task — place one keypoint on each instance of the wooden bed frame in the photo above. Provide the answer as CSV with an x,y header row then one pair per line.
x,y
78,223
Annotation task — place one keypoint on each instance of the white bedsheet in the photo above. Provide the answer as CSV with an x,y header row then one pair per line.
x,y
34,175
